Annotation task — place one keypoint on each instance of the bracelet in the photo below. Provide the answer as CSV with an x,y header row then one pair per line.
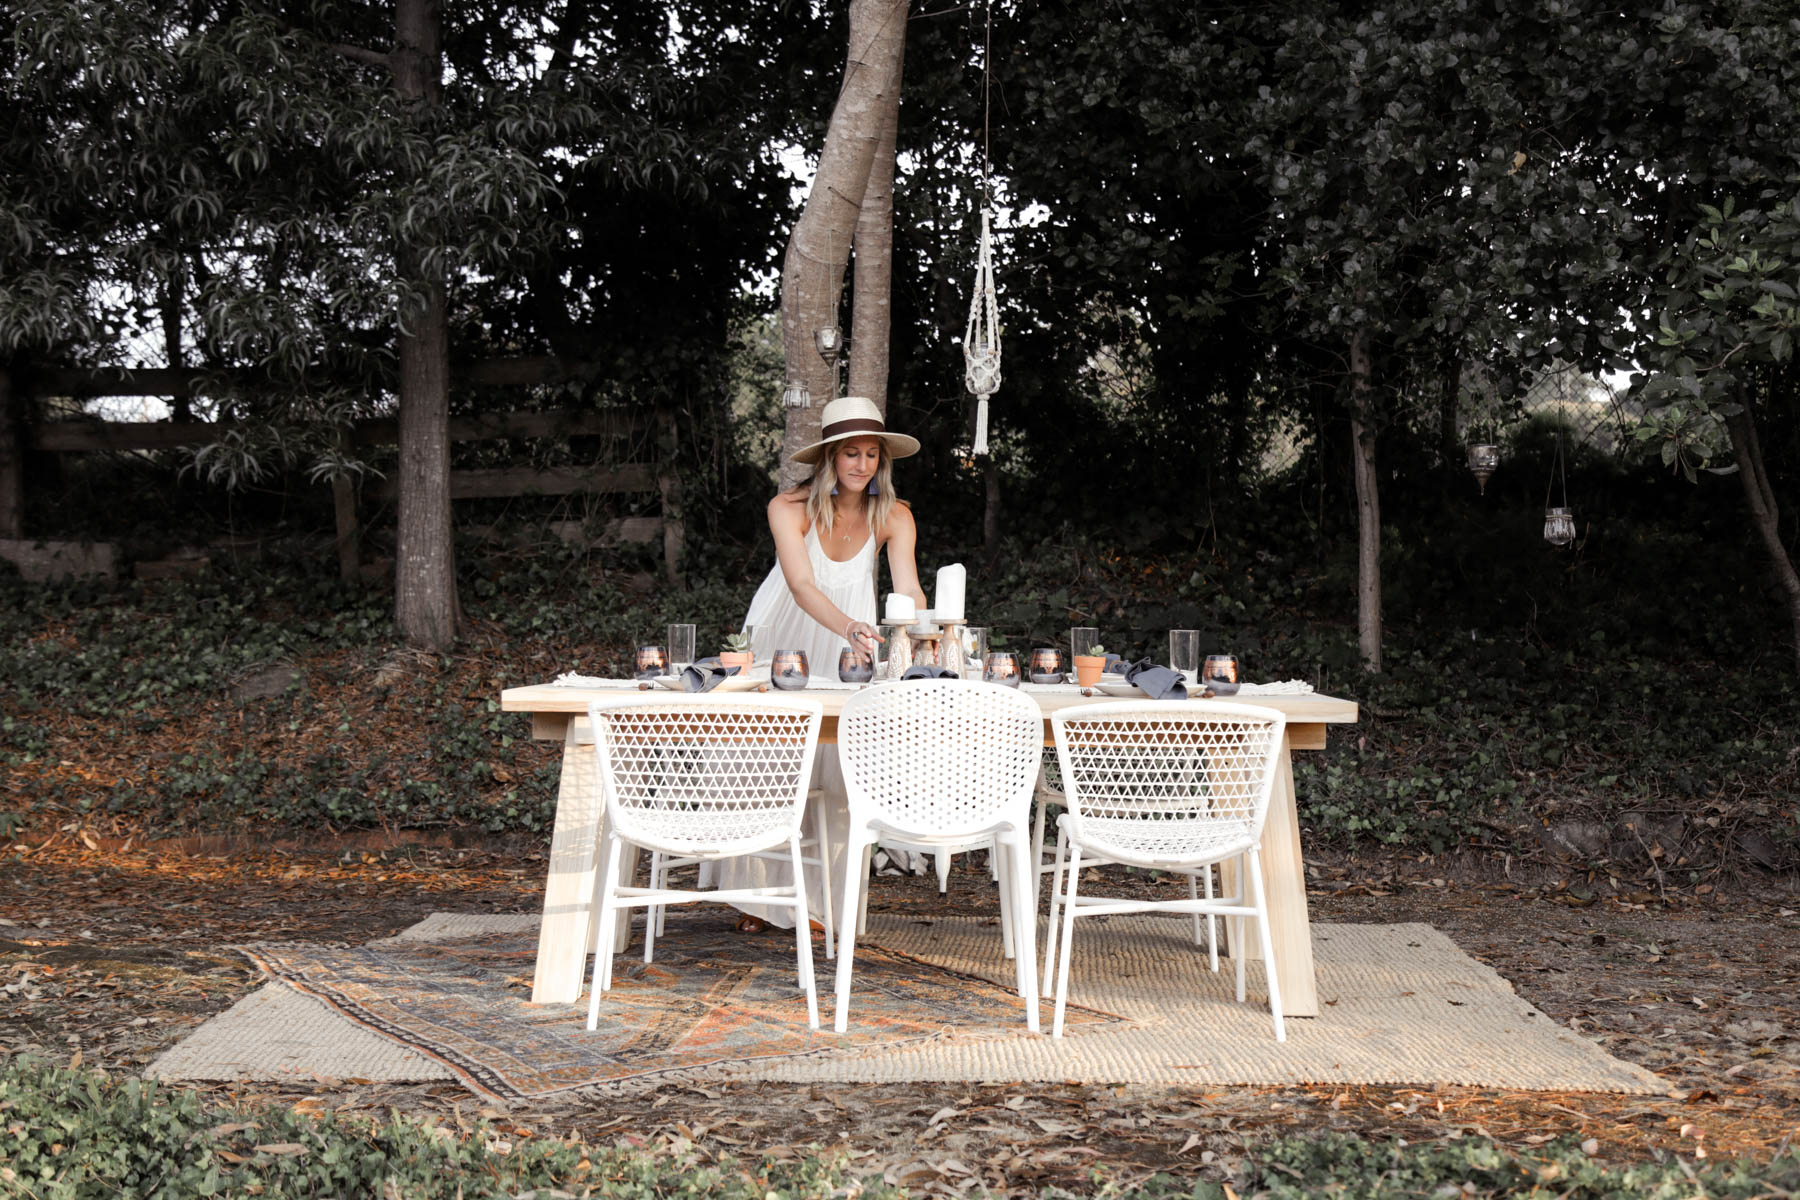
x,y
848,626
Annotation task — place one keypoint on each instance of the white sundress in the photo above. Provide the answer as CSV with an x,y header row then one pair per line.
x,y
780,624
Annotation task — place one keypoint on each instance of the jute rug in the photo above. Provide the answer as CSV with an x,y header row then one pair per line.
x,y
1400,1004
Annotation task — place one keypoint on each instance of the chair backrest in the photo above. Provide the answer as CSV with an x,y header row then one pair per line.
x,y
720,776
940,756
1156,782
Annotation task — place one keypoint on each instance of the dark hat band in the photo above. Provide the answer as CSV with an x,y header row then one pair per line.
x,y
856,425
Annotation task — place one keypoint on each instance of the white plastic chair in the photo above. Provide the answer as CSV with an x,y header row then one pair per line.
x,y
943,763
701,781
1179,787
814,852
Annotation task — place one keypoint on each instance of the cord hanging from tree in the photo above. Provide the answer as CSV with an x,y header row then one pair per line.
x,y
981,339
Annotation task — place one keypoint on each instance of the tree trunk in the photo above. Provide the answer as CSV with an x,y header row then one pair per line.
x,y
1368,505
12,461
872,306
819,247
1449,395
1765,514
174,296
425,603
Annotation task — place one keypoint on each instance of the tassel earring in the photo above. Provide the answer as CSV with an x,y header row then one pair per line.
x,y
834,489
873,489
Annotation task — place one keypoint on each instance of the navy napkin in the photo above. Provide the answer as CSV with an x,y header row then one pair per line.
x,y
927,671
1116,665
1158,683
705,675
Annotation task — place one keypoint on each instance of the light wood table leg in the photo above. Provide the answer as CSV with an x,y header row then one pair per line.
x,y
1284,885
563,936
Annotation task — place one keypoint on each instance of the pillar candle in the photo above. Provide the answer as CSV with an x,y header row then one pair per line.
x,y
900,608
948,602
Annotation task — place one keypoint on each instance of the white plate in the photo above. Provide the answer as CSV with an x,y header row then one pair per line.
x,y
731,683
1118,689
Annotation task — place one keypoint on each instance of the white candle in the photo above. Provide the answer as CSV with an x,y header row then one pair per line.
x,y
900,608
951,582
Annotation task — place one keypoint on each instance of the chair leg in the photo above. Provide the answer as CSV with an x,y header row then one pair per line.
x,y
862,915
1022,872
849,914
1194,894
653,915
1238,949
1073,871
1050,929
943,871
803,936
1008,945
1212,922
822,849
602,980
1254,866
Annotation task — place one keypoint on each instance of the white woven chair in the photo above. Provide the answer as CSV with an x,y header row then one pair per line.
x,y
943,763
1176,786
701,781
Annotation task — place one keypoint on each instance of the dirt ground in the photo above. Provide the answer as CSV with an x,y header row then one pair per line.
x,y
109,955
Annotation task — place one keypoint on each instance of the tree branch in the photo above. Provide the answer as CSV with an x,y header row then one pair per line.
x,y
363,54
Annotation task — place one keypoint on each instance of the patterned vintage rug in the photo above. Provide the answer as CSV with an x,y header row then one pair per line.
x,y
713,999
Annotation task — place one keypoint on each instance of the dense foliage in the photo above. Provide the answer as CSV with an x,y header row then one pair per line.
x,y
72,1135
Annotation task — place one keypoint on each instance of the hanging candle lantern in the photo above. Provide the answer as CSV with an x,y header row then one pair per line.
x,y
830,342
1559,525
1483,458
796,394
981,339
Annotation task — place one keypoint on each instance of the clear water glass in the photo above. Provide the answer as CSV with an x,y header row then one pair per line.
x,y
1082,640
681,648
1184,651
974,643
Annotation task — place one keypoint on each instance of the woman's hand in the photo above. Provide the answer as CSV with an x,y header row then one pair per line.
x,y
863,638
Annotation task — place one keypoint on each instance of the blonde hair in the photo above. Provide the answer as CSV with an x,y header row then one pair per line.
x,y
821,512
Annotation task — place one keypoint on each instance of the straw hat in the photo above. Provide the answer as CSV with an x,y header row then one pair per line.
x,y
853,417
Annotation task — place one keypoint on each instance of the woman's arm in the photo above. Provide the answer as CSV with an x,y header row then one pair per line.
x,y
902,536
787,521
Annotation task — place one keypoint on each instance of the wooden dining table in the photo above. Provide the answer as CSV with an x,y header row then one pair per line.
x,y
559,713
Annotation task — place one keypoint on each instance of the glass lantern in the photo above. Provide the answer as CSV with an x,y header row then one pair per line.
x,y
796,394
1559,525
830,342
1483,458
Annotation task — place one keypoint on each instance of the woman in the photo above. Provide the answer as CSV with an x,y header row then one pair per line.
x,y
820,595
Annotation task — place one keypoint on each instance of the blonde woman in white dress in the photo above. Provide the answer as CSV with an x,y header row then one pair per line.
x,y
820,595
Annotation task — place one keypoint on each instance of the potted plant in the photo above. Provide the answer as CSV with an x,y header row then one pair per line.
x,y
736,653
1088,666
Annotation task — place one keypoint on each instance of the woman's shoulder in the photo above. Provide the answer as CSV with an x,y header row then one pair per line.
x,y
899,520
788,509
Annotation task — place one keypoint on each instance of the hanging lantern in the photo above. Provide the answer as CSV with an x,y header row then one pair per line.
x,y
1559,525
830,342
981,339
1483,458
796,394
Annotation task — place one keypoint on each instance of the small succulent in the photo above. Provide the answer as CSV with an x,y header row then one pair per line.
x,y
736,643
1097,651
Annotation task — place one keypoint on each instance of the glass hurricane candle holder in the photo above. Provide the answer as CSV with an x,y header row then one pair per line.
x,y
1046,665
854,667
652,660
787,670
1002,668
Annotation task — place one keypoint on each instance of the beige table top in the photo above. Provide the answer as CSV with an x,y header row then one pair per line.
x,y
543,698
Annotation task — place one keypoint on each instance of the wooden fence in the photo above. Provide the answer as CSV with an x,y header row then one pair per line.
x,y
624,477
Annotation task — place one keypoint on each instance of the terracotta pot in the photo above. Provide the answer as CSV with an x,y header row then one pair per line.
x,y
741,659
1088,668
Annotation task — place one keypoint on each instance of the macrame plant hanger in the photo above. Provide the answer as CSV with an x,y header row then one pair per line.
x,y
981,339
